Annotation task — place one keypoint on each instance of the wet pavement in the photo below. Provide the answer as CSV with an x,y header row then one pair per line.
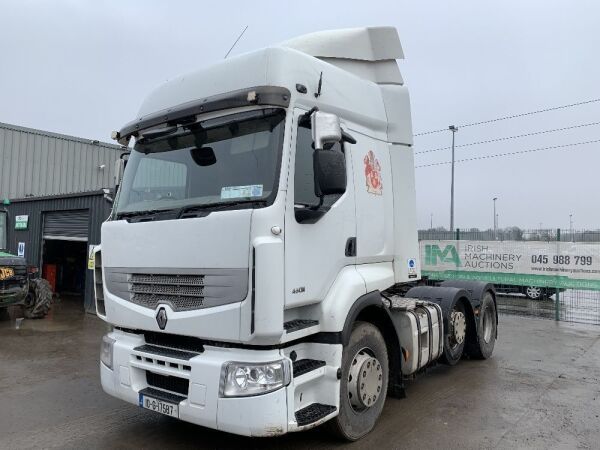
x,y
541,389
581,306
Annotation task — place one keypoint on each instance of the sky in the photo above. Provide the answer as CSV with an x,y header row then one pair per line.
x,y
83,67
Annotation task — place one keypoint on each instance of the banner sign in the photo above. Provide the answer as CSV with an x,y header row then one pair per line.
x,y
569,265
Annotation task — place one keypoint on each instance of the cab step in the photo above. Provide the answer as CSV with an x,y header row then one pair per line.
x,y
313,413
299,324
303,366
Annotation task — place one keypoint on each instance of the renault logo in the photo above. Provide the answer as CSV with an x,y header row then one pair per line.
x,y
161,318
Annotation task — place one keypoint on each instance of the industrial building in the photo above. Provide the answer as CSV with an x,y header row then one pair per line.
x,y
52,187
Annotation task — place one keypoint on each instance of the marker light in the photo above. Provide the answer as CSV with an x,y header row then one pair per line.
x,y
106,351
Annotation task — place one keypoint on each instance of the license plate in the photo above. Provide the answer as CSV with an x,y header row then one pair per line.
x,y
6,273
154,404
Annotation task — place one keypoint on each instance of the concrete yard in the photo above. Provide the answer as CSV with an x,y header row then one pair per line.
x,y
541,389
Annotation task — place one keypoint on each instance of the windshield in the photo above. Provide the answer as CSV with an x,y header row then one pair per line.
x,y
3,225
230,159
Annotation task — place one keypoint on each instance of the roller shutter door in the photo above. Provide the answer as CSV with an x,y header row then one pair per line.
x,y
67,225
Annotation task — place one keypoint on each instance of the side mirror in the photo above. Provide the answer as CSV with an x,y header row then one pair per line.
x,y
330,172
325,129
119,169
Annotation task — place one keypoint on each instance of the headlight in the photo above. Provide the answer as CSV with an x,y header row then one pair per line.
x,y
106,351
244,379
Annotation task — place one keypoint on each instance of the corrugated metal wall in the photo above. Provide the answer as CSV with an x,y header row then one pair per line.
x,y
38,163
98,207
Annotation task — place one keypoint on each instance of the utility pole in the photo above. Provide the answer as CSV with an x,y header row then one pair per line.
x,y
431,221
495,218
454,130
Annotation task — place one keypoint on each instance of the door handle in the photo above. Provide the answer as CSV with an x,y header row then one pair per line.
x,y
351,246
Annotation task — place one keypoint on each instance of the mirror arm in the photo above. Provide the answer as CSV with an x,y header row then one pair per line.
x,y
347,137
306,116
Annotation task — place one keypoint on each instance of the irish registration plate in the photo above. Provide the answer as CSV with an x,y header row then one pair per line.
x,y
154,404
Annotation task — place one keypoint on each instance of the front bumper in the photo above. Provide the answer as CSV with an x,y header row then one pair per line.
x,y
261,415
13,295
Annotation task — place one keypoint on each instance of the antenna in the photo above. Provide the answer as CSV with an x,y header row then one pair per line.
x,y
318,93
236,41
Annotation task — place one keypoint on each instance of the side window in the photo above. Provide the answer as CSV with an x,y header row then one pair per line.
x,y
304,181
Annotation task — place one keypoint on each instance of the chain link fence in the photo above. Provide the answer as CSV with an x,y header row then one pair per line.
x,y
547,295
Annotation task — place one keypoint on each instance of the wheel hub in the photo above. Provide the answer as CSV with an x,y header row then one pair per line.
x,y
365,380
459,327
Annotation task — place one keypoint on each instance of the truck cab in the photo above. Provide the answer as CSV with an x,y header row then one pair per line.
x,y
263,240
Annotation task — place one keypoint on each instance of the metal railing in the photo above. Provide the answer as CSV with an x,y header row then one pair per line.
x,y
511,234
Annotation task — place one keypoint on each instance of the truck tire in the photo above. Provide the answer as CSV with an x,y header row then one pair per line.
x,y
364,383
38,299
486,329
455,336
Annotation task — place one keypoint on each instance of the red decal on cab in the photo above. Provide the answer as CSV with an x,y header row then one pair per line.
x,y
373,174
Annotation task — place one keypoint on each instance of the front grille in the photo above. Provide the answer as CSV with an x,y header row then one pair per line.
x,y
180,280
168,383
18,280
182,292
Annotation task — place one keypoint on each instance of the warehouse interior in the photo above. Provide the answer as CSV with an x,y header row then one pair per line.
x,y
64,265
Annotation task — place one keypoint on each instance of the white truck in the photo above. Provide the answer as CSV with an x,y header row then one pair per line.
x,y
260,265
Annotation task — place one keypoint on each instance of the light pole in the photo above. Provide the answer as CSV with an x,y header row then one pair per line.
x,y
495,217
571,227
431,221
454,130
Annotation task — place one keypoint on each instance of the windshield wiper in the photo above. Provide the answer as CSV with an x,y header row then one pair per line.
x,y
217,205
149,213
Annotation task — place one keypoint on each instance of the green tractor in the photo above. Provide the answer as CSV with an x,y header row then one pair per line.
x,y
19,284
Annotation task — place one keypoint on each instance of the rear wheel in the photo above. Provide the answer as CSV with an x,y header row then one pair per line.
x,y
454,338
486,331
39,298
364,382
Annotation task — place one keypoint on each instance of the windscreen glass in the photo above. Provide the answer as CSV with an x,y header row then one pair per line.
x,y
233,158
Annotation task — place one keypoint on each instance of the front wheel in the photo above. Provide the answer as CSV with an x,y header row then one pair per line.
x,y
364,382
39,298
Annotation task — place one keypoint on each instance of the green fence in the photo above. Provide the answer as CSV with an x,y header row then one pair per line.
x,y
546,273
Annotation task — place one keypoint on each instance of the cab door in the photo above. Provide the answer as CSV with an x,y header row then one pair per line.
x,y
318,243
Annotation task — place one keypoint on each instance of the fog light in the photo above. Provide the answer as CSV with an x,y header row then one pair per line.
x,y
106,351
244,379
